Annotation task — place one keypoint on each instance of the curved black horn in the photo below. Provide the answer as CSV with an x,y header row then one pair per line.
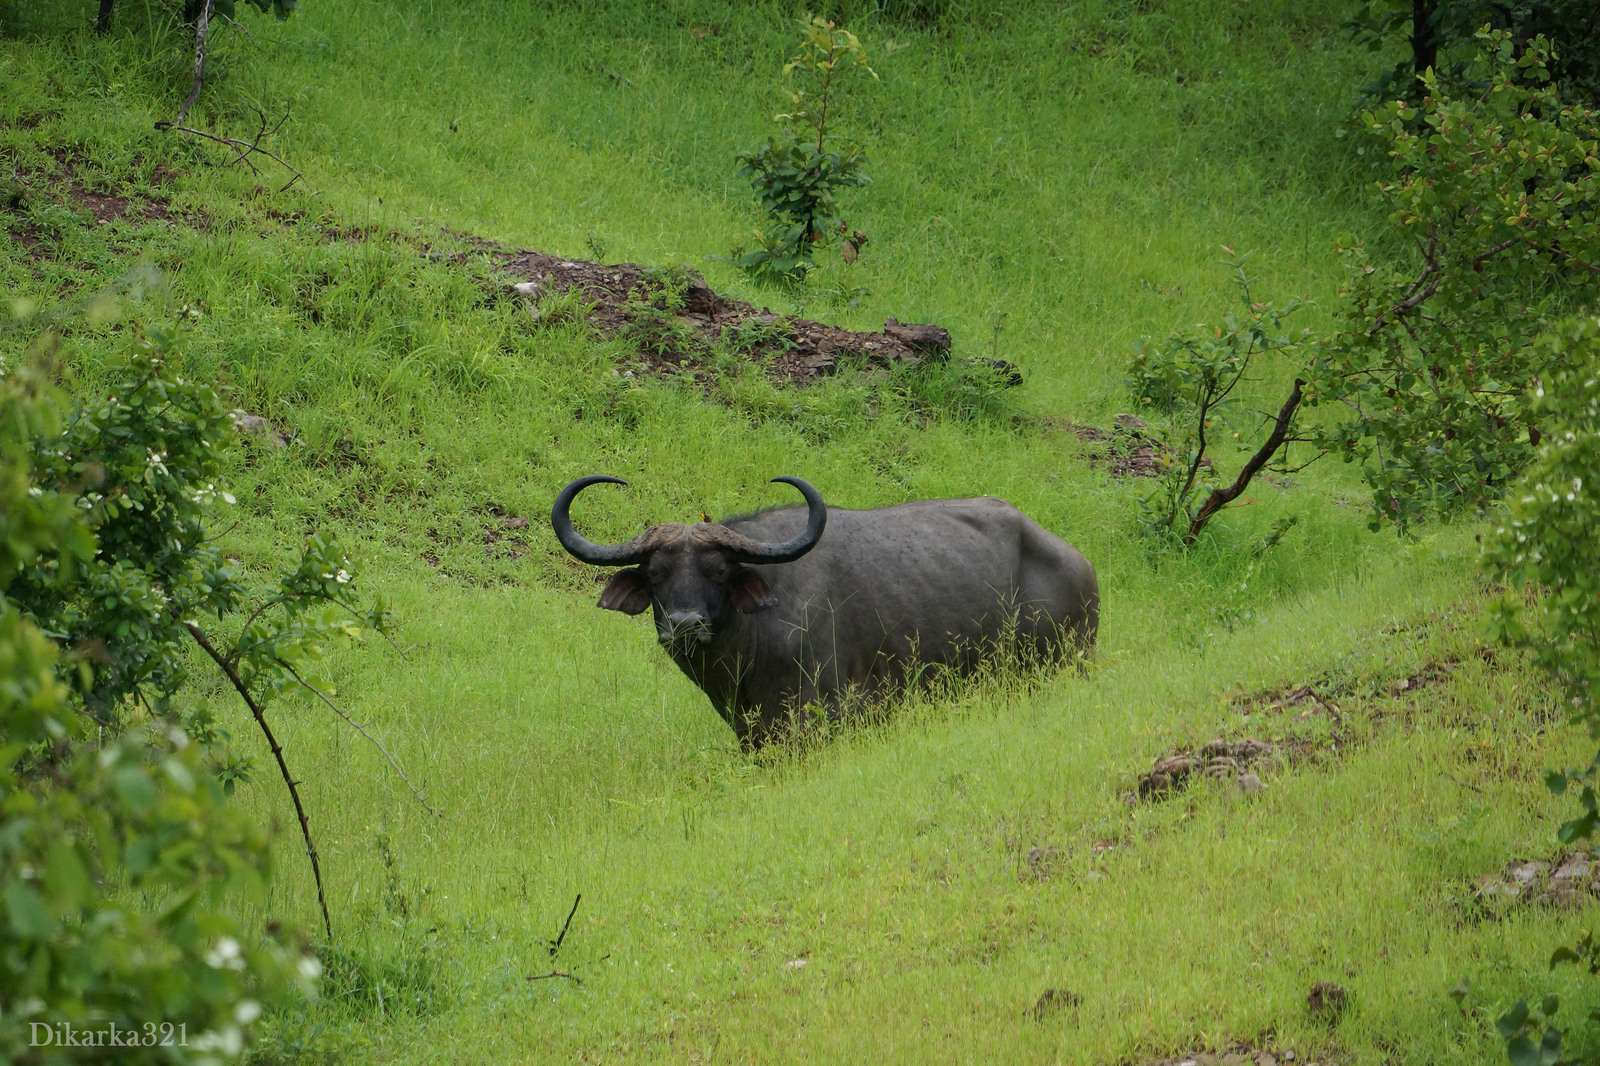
x,y
626,554
748,551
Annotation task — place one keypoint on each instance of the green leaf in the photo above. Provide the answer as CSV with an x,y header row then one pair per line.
x,y
1521,1052
134,788
29,919
1550,1046
64,875
1512,1021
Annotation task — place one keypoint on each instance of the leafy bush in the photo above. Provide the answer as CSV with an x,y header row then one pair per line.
x,y
1546,552
1499,193
87,829
139,465
1551,540
796,175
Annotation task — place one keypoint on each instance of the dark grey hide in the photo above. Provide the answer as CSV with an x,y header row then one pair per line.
x,y
874,599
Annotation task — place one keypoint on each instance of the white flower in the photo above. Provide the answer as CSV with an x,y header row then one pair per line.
x,y
342,577
225,955
247,1011
310,968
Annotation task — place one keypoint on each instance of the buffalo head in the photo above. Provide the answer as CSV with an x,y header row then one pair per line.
x,y
692,577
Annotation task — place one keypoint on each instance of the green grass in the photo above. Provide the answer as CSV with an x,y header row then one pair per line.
x,y
1039,164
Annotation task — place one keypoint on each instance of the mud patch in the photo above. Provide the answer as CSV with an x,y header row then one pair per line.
x,y
677,318
1567,880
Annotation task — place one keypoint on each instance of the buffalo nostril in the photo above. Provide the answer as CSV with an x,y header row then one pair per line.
x,y
680,625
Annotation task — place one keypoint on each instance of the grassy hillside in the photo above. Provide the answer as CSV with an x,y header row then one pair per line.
x,y
1051,182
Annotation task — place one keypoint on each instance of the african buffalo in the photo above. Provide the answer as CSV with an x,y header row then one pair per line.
x,y
767,618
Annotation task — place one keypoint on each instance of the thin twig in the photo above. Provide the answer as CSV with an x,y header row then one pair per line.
x,y
574,978
555,945
201,25
359,728
277,753
242,149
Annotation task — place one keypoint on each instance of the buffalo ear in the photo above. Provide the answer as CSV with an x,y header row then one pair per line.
x,y
627,591
750,593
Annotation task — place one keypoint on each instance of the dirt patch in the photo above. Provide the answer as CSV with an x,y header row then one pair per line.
x,y
1222,760
1239,1053
1568,879
1127,449
1055,1001
676,318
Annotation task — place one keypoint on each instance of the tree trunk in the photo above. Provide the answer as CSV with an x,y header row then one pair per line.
x,y
102,21
1424,39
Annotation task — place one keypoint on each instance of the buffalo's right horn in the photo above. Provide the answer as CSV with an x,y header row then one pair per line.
x,y
625,554
746,550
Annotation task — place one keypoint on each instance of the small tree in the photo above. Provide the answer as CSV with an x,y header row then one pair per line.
x,y
1430,376
1195,374
796,175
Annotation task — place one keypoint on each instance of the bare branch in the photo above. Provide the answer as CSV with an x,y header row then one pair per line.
x,y
242,149
1220,498
277,753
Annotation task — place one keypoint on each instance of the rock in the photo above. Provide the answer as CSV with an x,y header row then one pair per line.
x,y
929,339
1266,1059
1132,423
1054,1001
1327,1001
1250,784
1165,775
260,428
1232,1058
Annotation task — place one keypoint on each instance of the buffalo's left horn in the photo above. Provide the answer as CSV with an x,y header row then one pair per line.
x,y
625,554
745,550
